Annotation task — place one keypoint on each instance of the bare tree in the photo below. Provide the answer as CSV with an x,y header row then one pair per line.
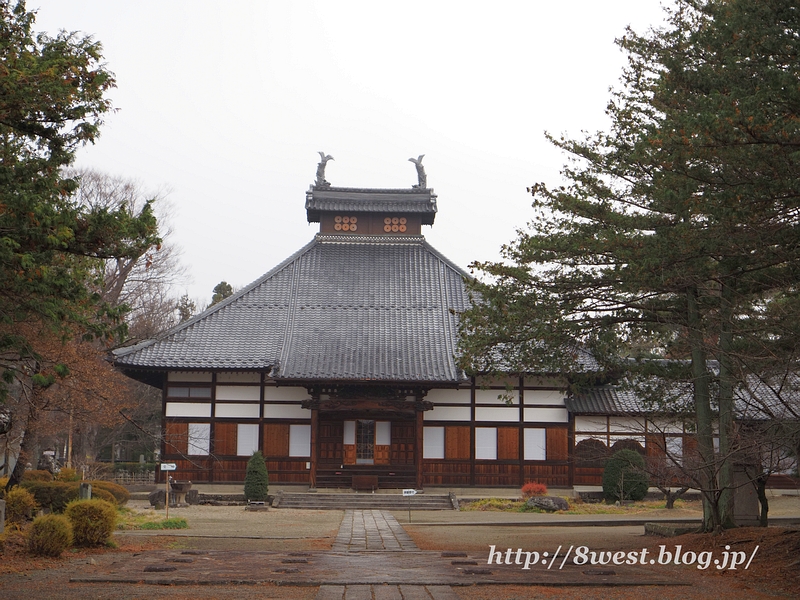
x,y
147,283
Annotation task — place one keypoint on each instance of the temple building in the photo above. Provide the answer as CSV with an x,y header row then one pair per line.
x,y
339,365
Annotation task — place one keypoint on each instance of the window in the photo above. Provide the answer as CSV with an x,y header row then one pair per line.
x,y
535,444
486,443
300,440
383,433
246,439
199,439
365,442
675,449
433,442
175,391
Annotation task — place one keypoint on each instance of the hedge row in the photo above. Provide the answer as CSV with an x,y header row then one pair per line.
x,y
55,495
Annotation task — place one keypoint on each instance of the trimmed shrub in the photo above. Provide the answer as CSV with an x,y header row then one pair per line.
x,y
256,479
68,474
54,495
93,521
102,494
624,476
120,493
533,488
20,504
37,475
50,535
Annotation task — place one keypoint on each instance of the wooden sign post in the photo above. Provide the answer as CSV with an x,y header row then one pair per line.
x,y
167,467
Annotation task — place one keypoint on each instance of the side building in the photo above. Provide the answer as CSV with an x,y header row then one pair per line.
x,y
339,365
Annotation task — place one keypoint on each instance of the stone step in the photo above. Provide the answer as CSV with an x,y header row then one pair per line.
x,y
328,501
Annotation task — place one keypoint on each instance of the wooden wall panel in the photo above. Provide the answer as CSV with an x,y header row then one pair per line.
x,y
654,444
557,443
288,471
551,475
276,439
382,454
176,437
329,442
492,473
349,454
508,443
588,476
230,470
403,437
436,472
456,442
225,439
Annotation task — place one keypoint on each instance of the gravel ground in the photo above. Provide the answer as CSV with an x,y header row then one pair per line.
x,y
233,528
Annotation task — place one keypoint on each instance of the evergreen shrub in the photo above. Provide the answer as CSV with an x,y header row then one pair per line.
x,y
256,479
20,504
54,495
50,535
68,474
121,495
37,475
93,521
101,494
624,476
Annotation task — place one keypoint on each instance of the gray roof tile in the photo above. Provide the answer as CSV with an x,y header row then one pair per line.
x,y
342,308
409,200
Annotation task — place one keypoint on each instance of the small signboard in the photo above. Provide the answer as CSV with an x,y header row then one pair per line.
x,y
169,466
409,492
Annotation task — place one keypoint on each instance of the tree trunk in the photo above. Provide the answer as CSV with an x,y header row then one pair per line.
x,y
25,446
761,491
726,412
702,402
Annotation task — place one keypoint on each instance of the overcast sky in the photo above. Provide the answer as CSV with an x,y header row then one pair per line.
x,y
226,104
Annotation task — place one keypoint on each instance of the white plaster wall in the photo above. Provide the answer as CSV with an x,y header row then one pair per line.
x,y
237,411
247,377
496,396
240,392
589,424
286,393
504,414
286,411
447,413
548,397
188,409
449,396
191,376
546,415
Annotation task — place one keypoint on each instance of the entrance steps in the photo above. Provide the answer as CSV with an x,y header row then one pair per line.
x,y
365,501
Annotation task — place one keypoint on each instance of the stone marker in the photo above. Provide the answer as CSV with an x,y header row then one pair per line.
x,y
85,491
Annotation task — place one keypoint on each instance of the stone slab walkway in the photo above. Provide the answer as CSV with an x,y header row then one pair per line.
x,y
371,530
372,557
386,592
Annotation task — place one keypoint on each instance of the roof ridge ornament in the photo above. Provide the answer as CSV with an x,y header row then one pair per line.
x,y
320,182
421,176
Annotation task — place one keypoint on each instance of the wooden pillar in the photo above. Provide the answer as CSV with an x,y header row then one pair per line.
x,y
418,450
312,476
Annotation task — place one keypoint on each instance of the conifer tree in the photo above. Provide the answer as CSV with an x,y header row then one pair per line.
x,y
677,234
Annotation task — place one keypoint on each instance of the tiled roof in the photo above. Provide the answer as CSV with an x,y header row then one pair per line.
x,y
409,200
606,400
758,400
342,308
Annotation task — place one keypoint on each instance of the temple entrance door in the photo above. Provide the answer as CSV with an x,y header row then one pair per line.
x,y
365,442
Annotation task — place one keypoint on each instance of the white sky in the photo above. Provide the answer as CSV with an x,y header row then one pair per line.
x,y
227,103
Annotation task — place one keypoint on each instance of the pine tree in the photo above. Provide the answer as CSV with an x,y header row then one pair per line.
x,y
677,235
